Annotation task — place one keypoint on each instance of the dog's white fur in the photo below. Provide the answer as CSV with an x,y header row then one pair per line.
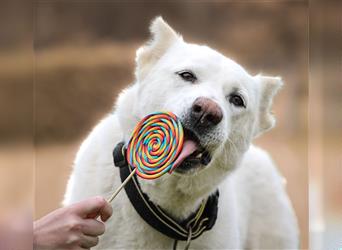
x,y
254,210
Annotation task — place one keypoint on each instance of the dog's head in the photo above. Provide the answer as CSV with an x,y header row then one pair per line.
x,y
222,107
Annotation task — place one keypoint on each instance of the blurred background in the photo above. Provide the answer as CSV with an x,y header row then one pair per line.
x,y
84,56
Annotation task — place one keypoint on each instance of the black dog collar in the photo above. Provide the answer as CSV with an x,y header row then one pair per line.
x,y
191,228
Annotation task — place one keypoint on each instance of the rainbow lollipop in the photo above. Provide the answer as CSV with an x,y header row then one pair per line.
x,y
155,144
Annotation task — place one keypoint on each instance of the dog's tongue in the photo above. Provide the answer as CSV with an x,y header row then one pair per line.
x,y
189,147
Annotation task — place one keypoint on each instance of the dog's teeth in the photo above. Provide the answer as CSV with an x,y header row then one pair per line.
x,y
199,155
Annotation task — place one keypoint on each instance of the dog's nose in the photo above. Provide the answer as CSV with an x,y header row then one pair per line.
x,y
206,112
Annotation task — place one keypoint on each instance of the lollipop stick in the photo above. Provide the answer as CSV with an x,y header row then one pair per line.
x,y
117,191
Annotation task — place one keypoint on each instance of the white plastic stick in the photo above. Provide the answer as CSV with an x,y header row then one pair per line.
x,y
117,191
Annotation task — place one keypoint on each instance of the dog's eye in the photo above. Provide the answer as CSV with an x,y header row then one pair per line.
x,y
187,76
237,100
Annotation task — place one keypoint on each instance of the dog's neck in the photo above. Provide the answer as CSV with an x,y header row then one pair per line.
x,y
180,196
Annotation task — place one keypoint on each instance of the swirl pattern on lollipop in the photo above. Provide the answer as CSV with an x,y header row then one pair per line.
x,y
155,144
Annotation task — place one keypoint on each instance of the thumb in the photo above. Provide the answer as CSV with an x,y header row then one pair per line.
x,y
92,207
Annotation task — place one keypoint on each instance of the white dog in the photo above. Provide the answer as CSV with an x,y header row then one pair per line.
x,y
222,109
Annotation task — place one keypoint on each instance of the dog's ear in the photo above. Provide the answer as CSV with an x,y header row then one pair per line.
x,y
269,86
163,36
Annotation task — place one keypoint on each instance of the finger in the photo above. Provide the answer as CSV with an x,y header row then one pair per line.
x,y
93,227
89,206
88,241
106,211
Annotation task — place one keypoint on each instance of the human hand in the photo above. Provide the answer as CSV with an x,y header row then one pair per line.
x,y
72,227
